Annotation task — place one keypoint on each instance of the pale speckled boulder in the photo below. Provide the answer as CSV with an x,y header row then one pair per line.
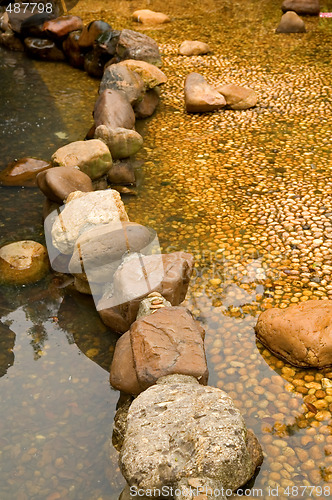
x,y
193,48
121,142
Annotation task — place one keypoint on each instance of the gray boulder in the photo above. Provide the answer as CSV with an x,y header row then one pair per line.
x,y
120,78
134,45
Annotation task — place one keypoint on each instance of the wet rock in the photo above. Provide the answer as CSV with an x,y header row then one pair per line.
x,y
94,62
91,32
61,26
113,109
147,16
193,48
4,22
23,262
24,16
148,305
91,157
301,334
150,74
99,184
44,49
302,7
120,78
58,182
107,42
163,343
9,40
291,23
148,105
134,45
120,421
23,172
120,141
238,97
82,285
72,50
84,211
181,433
132,284
33,26
122,172
200,96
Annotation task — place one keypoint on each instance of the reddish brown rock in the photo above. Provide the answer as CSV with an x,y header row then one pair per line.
x,y
238,97
113,109
148,105
123,374
300,334
302,7
91,32
200,97
122,172
72,50
58,182
23,172
61,26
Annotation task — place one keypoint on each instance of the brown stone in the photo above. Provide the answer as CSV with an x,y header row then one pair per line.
x,y
72,50
301,334
193,48
122,172
200,96
120,78
43,49
49,207
113,109
91,32
150,74
302,7
23,172
23,262
61,26
134,45
238,97
148,105
9,40
123,374
58,182
147,16
291,23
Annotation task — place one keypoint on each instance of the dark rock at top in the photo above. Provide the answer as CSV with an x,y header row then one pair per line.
x,y
43,49
302,7
91,32
33,25
113,109
72,50
17,19
134,45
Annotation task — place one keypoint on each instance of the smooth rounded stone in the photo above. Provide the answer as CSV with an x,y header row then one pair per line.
x,y
134,45
122,172
91,157
148,105
72,50
120,78
113,109
9,40
182,433
121,142
130,286
84,211
150,74
61,26
302,7
238,97
23,172
301,334
44,49
165,342
147,16
193,48
200,97
23,262
58,182
91,32
291,23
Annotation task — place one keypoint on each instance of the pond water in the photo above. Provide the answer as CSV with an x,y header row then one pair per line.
x,y
235,189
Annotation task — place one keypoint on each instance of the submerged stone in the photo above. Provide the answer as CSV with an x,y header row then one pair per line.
x,y
23,262
201,97
23,172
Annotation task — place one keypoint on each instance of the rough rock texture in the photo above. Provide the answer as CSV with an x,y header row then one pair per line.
x,y
238,97
113,109
200,96
58,182
134,45
291,23
131,285
179,431
151,304
147,16
72,50
300,334
148,105
122,79
23,172
193,48
122,172
302,7
91,32
61,26
120,141
123,374
150,74
23,262
84,211
44,49
91,157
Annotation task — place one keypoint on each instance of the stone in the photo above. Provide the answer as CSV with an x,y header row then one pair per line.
x,y
123,374
200,96
130,286
23,262
193,48
302,7
148,305
61,26
4,21
291,23
148,105
113,109
25,16
44,49
121,142
301,334
72,50
238,97
33,25
120,78
84,211
122,172
7,345
23,172
82,286
134,45
107,42
58,182
94,62
9,40
147,16
91,157
150,74
91,32
183,434
50,207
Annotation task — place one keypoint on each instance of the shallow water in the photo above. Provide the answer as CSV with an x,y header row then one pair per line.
x,y
211,184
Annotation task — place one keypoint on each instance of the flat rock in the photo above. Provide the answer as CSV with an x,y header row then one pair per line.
x,y
148,105
23,262
58,182
181,433
91,32
121,142
44,49
147,16
134,45
302,7
150,74
238,97
23,172
291,23
122,173
301,334
113,109
120,78
61,26
200,96
193,48
91,157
